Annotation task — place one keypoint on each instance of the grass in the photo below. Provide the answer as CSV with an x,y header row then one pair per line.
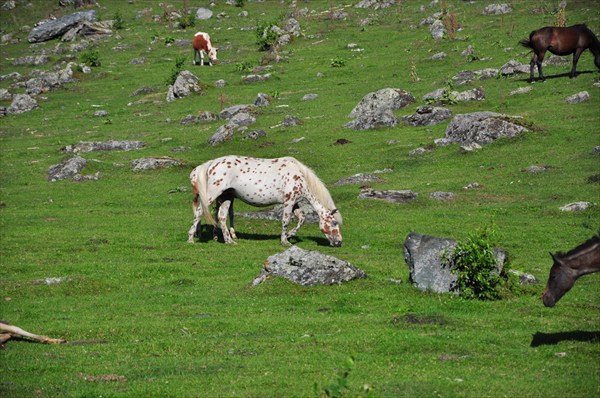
x,y
172,319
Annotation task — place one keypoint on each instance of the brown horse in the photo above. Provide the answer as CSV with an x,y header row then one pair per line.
x,y
582,260
561,41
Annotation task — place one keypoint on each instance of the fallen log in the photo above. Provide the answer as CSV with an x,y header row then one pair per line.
x,y
14,331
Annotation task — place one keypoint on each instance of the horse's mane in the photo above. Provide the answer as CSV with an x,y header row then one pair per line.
x,y
318,189
589,245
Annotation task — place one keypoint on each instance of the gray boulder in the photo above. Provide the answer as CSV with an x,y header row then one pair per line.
x,y
382,100
5,95
185,84
375,4
223,133
497,9
231,111
49,80
91,146
359,179
21,103
475,94
203,13
424,255
34,60
512,67
437,29
54,28
392,196
429,271
242,119
203,117
154,163
254,134
308,268
263,99
576,206
578,98
429,116
373,120
66,169
482,128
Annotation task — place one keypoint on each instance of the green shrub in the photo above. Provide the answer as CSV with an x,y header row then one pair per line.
x,y
337,62
340,387
118,22
474,262
186,21
169,40
243,66
179,62
265,36
90,58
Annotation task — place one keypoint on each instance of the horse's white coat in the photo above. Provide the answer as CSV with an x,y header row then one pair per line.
x,y
263,182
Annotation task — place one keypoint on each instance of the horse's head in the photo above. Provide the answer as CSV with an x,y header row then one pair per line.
x,y
330,225
560,281
212,54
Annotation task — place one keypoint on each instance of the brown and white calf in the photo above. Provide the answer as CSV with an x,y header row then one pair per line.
x,y
202,44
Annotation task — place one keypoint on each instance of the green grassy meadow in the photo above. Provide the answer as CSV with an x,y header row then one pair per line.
x,y
165,318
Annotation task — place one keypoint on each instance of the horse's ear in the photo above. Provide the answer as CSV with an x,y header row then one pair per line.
x,y
334,211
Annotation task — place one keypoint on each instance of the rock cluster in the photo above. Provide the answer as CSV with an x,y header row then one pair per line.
x,y
308,268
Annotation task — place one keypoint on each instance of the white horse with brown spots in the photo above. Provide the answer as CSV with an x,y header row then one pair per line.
x,y
262,182
202,44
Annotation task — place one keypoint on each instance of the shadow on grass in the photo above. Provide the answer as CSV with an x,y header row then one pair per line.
x,y
207,235
554,338
560,75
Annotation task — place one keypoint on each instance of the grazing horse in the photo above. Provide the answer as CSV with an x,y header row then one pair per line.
x,y
561,41
582,260
262,182
202,44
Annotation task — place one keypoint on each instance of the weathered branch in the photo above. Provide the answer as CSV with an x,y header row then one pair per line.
x,y
14,331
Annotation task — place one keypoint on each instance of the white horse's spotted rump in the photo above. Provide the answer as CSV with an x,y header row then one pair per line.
x,y
262,182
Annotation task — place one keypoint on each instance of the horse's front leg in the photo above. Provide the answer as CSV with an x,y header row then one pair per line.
x,y
223,212
576,55
301,218
285,221
196,223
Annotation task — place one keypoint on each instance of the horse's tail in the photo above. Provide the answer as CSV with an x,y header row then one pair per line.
x,y
318,189
526,43
200,181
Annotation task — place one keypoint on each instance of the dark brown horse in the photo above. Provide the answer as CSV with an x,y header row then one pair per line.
x,y
582,260
561,41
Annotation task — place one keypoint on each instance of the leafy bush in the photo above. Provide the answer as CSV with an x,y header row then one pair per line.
x,y
340,386
474,262
186,21
265,36
169,40
90,58
179,62
337,62
118,22
243,66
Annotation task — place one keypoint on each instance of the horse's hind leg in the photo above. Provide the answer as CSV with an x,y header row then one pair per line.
x,y
194,229
222,216
231,227
538,58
